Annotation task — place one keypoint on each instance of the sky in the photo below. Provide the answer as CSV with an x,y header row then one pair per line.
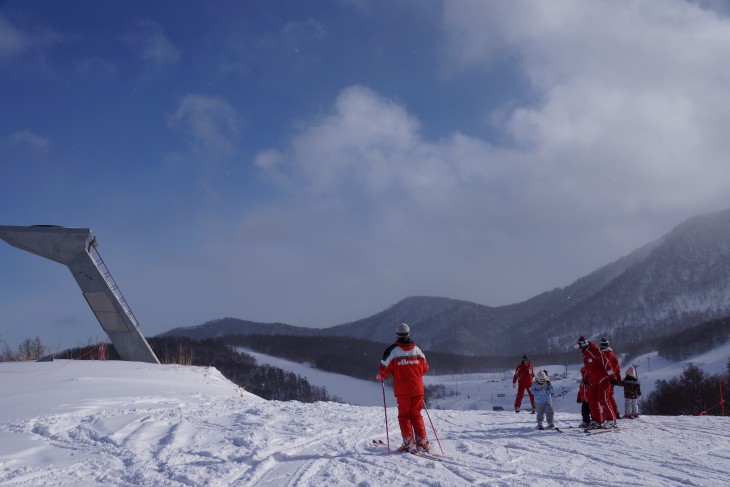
x,y
313,163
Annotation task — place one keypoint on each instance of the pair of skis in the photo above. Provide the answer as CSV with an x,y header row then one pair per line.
x,y
595,431
428,455
592,431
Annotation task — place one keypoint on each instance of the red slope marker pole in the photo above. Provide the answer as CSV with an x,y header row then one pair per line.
x,y
385,410
722,402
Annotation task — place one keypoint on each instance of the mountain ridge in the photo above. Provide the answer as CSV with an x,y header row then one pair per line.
x,y
677,281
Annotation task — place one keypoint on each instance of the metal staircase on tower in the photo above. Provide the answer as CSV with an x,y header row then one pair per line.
x,y
77,249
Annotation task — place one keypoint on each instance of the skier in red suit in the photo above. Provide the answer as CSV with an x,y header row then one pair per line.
x,y
598,376
524,373
408,364
607,351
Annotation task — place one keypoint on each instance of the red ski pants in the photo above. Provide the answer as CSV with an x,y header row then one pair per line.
x,y
600,403
521,392
612,400
409,416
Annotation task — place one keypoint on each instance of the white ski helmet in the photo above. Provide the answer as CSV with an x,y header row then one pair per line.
x,y
402,330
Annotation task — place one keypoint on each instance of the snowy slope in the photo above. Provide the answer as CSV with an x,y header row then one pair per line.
x,y
347,389
69,423
488,390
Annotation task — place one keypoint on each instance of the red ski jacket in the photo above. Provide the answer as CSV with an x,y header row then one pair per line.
x,y
408,364
598,369
613,363
524,374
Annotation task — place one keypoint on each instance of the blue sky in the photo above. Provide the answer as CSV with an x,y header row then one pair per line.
x,y
315,162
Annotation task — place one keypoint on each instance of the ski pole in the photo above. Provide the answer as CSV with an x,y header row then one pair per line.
x,y
434,429
385,410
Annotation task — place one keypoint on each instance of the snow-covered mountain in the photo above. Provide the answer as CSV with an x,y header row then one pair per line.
x,y
681,280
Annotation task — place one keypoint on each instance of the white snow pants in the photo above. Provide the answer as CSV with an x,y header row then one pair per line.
x,y
631,407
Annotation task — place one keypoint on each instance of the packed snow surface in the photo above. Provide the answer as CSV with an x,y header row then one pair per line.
x,y
69,423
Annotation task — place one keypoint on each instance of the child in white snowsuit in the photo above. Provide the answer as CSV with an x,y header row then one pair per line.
x,y
632,393
542,389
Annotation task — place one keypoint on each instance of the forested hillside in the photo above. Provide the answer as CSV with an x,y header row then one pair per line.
x,y
695,340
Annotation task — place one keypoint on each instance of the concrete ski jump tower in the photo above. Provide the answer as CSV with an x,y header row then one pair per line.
x,y
76,248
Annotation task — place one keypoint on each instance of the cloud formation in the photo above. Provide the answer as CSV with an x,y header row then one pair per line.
x,y
29,139
149,41
625,128
210,121
626,109
13,41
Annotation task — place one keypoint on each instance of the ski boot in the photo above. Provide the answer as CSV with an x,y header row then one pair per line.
x,y
423,446
407,445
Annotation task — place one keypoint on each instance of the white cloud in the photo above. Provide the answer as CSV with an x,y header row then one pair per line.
x,y
13,41
29,139
367,144
210,121
152,45
629,93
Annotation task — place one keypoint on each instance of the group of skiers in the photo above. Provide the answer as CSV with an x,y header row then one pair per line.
x,y
600,374
406,362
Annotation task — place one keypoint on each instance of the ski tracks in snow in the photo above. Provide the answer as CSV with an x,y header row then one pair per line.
x,y
217,441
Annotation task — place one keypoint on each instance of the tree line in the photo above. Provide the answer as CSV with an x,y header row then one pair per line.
x,y
29,349
693,393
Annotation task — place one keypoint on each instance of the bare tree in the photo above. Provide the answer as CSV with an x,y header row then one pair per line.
x,y
29,349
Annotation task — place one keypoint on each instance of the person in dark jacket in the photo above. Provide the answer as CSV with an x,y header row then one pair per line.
x,y
524,373
408,364
632,393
